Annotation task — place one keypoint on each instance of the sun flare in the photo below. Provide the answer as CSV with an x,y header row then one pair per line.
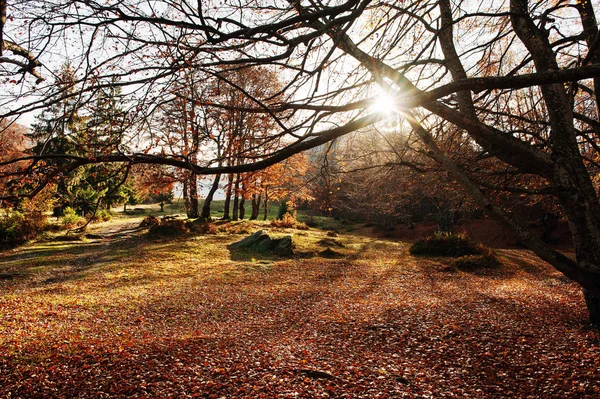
x,y
384,104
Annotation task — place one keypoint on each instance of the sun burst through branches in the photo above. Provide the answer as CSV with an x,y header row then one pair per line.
x,y
384,103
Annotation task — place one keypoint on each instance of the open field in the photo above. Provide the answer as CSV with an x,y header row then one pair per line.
x,y
177,207
134,316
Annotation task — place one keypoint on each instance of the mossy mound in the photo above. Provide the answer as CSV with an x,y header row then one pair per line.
x,y
169,227
442,245
329,242
149,221
330,253
262,243
471,263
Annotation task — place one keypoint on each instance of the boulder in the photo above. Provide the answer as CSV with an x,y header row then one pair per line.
x,y
261,242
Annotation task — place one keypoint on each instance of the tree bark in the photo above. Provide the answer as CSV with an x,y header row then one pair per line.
x,y
256,200
570,177
186,196
236,197
209,198
593,305
266,212
226,206
193,193
234,213
242,209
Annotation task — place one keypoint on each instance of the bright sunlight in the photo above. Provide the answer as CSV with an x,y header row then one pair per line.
x,y
384,103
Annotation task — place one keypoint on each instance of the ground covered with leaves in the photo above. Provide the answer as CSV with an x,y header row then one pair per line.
x,y
348,316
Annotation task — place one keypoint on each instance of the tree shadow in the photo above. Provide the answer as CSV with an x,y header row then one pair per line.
x,y
52,262
246,255
526,261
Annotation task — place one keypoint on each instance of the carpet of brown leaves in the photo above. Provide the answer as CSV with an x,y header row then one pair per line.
x,y
137,317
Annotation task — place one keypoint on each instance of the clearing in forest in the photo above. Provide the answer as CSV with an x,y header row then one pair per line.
x,y
136,315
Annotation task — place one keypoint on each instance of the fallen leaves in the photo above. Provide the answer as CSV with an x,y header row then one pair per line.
x,y
377,323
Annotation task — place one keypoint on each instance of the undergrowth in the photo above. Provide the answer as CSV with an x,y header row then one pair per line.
x,y
446,245
289,221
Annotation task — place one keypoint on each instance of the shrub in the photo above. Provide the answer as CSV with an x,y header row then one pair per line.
x,y
301,226
9,228
471,263
283,210
289,221
17,227
169,227
105,215
71,219
446,245
238,228
311,222
202,227
149,221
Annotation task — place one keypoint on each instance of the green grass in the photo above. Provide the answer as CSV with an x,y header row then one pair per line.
x,y
177,208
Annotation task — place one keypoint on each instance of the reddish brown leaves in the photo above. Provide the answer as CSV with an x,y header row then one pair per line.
x,y
376,324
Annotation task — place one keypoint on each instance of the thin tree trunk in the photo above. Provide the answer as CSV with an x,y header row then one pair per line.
x,y
266,214
242,209
234,213
256,199
2,22
193,188
236,197
227,197
209,198
186,196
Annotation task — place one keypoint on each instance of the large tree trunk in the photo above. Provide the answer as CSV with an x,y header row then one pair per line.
x,y
570,178
593,305
227,197
585,274
580,206
565,169
209,198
